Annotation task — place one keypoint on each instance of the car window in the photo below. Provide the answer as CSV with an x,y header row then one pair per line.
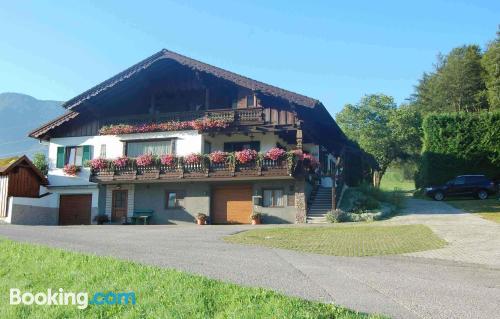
x,y
460,180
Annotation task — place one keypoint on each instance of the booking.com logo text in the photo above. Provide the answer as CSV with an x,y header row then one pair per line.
x,y
63,298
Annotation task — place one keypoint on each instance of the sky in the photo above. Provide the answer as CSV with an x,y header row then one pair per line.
x,y
334,51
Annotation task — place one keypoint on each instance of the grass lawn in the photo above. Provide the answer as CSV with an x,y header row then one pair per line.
x,y
344,240
394,179
160,293
488,209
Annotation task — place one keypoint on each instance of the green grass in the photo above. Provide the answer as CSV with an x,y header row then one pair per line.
x,y
399,176
488,209
160,293
344,240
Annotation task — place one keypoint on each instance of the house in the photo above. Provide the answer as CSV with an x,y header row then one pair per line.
x,y
21,182
180,137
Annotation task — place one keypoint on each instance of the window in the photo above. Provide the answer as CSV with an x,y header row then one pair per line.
x,y
135,149
250,99
240,146
207,147
103,151
72,155
171,200
460,180
273,198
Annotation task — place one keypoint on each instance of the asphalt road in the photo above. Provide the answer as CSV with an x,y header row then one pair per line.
x,y
398,286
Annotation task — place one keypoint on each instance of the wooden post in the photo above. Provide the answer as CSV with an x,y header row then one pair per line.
x,y
299,139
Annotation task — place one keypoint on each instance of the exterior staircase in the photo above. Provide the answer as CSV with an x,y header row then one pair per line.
x,y
319,205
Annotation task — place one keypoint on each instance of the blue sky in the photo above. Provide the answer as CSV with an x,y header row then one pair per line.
x,y
335,51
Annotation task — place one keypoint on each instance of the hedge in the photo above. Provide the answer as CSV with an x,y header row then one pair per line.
x,y
457,144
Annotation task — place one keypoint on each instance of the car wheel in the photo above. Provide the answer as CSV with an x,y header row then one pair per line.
x,y
482,194
439,196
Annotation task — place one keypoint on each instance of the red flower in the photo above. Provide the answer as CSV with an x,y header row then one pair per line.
x,y
70,169
275,153
144,160
245,156
193,158
167,159
200,125
218,157
120,162
98,163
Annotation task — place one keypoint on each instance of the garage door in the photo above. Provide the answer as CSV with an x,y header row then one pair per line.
x,y
75,209
232,204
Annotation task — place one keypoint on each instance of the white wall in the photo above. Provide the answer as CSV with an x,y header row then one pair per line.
x,y
4,190
187,142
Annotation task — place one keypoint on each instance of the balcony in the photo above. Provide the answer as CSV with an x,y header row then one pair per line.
x,y
250,116
202,171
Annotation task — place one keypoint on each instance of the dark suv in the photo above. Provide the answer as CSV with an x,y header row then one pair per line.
x,y
464,185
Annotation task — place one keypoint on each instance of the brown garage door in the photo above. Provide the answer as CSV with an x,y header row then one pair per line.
x,y
75,209
232,204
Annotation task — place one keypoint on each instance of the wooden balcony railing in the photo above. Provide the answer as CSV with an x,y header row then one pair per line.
x,y
238,116
201,171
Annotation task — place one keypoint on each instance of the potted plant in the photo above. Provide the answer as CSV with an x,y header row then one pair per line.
x,y
101,219
201,219
71,170
256,218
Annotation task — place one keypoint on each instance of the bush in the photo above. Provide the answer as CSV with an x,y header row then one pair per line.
x,y
460,143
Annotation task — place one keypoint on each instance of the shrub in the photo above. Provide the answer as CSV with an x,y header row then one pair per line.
x,y
40,162
459,143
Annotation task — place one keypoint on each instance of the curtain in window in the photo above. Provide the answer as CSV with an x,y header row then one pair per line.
x,y
267,198
135,149
278,197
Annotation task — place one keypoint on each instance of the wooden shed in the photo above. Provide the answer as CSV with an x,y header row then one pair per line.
x,y
19,178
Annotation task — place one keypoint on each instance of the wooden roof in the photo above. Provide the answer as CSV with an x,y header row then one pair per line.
x,y
195,65
24,161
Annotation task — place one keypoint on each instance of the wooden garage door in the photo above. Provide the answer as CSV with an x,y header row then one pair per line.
x,y
75,209
232,204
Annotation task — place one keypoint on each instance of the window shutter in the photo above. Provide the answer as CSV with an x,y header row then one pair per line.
x,y
86,154
60,157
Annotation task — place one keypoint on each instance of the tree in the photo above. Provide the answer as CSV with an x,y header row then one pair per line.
x,y
491,66
367,124
40,161
457,83
382,130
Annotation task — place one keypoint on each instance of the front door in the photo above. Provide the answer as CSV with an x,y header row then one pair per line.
x,y
119,206
232,204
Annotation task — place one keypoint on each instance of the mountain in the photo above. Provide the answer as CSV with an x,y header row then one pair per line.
x,y
19,115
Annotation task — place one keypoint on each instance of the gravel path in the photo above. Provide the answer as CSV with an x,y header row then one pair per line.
x,y
471,238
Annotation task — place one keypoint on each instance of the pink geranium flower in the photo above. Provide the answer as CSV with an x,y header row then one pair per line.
x,y
144,160
275,153
167,159
120,162
218,157
193,158
245,156
98,163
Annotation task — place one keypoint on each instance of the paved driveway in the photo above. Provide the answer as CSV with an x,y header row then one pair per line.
x,y
471,239
401,287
